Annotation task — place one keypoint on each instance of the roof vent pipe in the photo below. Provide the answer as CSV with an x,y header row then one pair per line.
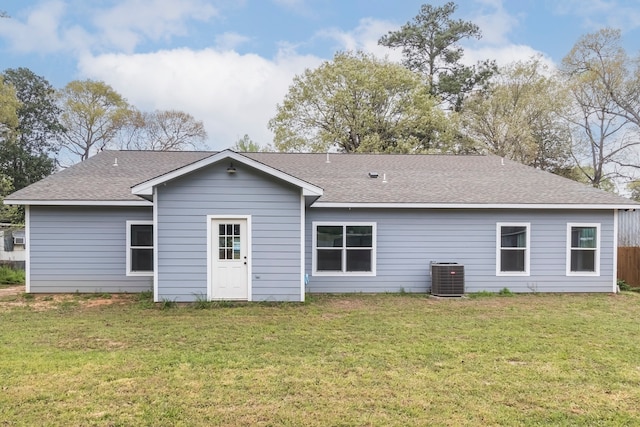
x,y
384,178
328,161
115,162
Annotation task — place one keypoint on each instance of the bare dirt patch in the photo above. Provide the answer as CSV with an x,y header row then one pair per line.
x,y
16,297
11,290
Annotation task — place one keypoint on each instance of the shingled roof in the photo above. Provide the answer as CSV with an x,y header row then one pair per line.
x,y
411,180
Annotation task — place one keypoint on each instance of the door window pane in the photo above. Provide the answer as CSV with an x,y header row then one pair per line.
x,y
229,241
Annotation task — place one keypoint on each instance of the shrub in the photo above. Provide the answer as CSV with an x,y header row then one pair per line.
x,y
9,276
623,285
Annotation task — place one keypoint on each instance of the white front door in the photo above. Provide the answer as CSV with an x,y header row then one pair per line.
x,y
229,259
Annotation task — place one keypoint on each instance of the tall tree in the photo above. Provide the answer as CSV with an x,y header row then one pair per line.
x,y
9,105
603,81
161,131
430,46
29,156
520,117
247,145
357,103
92,114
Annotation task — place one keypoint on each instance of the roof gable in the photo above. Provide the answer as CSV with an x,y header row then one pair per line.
x,y
146,188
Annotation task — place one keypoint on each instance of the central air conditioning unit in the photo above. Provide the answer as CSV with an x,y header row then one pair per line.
x,y
447,279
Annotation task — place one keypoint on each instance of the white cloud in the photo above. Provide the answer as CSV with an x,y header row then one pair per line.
x,y
505,54
595,14
232,94
40,31
128,23
364,37
495,24
45,27
229,41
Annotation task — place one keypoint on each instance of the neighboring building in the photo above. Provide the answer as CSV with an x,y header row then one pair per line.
x,y
12,250
270,226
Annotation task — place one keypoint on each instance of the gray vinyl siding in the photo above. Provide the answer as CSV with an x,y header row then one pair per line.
x,y
407,240
82,249
275,210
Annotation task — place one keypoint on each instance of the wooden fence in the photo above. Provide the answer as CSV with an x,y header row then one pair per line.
x,y
629,265
629,247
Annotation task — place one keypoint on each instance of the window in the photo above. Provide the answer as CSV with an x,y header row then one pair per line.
x,y
512,258
139,248
344,249
583,249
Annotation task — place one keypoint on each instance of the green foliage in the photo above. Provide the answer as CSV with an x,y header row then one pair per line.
x,y
29,156
634,187
145,299
247,145
358,103
505,292
167,303
9,276
623,285
9,105
201,303
481,294
520,117
92,113
430,46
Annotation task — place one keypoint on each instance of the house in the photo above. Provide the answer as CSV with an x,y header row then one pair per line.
x,y
12,251
270,226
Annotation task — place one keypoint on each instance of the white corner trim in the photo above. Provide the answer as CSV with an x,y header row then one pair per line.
x,y
27,246
615,252
156,248
145,188
302,248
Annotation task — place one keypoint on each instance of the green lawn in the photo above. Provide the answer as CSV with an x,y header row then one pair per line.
x,y
336,360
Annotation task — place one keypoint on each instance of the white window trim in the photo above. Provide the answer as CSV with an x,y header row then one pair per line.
x,y
314,255
128,249
596,225
527,250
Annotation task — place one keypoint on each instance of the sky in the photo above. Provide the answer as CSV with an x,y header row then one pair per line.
x,y
230,62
